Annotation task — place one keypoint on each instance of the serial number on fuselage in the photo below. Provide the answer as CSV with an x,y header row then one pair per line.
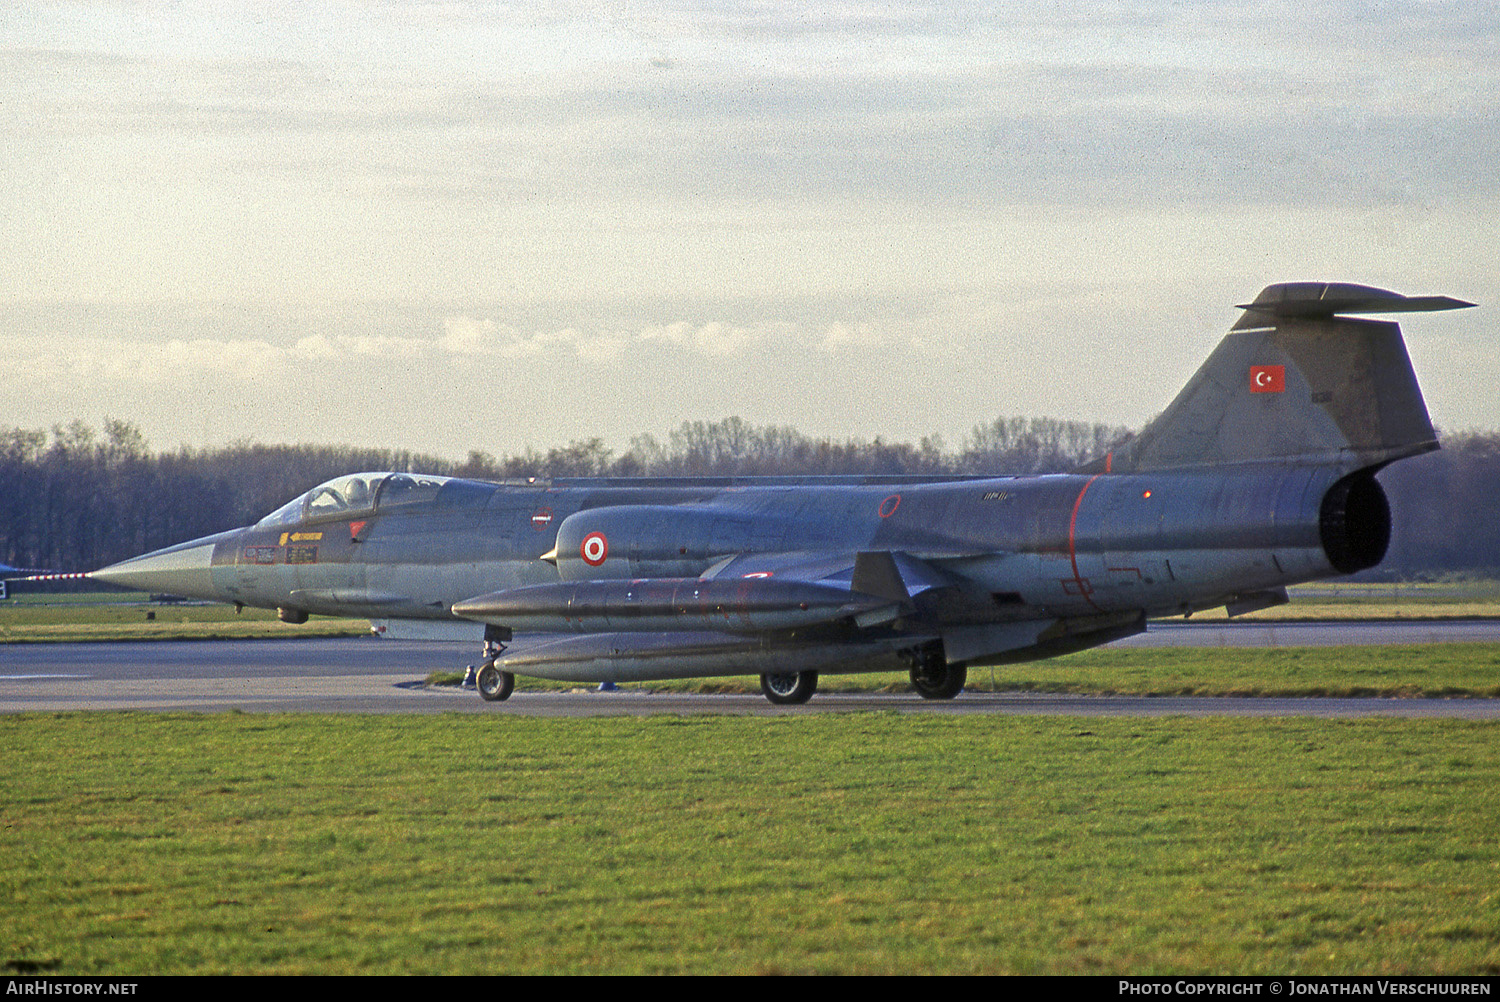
x,y
271,554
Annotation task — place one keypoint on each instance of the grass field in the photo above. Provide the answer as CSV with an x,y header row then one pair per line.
x,y
835,843
867,843
42,618
1394,670
1406,600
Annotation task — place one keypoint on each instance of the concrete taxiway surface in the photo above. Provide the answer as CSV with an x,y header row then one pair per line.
x,y
385,676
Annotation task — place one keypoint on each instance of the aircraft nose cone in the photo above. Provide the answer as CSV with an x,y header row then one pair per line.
x,y
184,569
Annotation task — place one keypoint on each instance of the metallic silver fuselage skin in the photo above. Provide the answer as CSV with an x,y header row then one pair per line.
x,y
1050,546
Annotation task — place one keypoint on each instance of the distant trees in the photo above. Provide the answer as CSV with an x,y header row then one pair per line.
x,y
75,498
734,447
1036,445
1446,509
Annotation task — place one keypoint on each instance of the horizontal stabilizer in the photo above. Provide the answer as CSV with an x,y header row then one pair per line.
x,y
1311,300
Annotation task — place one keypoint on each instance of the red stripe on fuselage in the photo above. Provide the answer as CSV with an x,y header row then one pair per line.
x,y
1083,586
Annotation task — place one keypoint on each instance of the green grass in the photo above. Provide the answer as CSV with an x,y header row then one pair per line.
x,y
1425,670
1340,600
838,843
74,618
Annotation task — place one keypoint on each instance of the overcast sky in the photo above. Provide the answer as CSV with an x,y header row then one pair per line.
x,y
470,225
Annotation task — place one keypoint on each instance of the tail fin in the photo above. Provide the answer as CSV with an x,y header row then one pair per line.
x,y
1295,382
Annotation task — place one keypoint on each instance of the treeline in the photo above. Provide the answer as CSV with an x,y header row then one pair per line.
x,y
734,447
77,498
1444,506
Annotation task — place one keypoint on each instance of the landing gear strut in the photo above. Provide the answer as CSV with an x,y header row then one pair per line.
x,y
791,687
934,678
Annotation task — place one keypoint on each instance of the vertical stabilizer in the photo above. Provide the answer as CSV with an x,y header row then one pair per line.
x,y
1295,381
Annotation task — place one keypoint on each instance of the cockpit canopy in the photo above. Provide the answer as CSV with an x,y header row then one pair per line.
x,y
356,494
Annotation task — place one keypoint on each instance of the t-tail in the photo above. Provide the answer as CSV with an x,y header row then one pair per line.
x,y
1296,382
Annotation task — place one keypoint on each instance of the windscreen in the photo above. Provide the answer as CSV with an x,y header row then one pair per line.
x,y
354,494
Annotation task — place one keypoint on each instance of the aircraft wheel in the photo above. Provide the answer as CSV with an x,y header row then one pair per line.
x,y
935,679
792,687
494,684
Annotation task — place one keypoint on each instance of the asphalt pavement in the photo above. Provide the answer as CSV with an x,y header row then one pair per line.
x,y
366,675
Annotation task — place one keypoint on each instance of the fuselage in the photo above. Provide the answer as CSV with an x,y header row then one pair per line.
x,y
1045,546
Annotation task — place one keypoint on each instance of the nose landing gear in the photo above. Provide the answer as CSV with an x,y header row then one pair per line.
x,y
492,683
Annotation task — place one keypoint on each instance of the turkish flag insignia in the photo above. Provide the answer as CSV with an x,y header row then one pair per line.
x,y
1267,379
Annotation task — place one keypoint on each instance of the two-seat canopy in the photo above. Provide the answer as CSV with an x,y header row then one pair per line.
x,y
356,494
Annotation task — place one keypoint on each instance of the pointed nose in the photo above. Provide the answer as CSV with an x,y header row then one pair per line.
x,y
184,569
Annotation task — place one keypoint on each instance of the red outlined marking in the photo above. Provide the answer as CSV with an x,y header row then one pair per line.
x,y
757,574
889,505
594,549
541,519
1084,588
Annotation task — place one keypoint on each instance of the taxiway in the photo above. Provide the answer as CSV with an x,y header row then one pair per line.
x,y
385,676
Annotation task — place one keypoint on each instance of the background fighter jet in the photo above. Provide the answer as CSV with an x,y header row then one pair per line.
x,y
1260,474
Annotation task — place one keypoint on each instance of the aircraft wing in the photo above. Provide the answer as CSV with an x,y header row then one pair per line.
x,y
748,594
894,575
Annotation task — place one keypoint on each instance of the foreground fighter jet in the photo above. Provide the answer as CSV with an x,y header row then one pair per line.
x,y
1260,474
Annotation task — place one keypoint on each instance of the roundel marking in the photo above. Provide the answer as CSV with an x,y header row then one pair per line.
x,y
594,549
889,505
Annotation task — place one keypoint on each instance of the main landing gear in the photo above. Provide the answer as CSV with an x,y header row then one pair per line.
x,y
934,678
791,687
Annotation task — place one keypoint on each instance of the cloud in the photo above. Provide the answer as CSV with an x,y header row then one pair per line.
x,y
712,339
500,200
1204,101
62,359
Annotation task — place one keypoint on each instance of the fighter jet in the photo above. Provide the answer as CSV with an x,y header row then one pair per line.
x,y
1259,474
